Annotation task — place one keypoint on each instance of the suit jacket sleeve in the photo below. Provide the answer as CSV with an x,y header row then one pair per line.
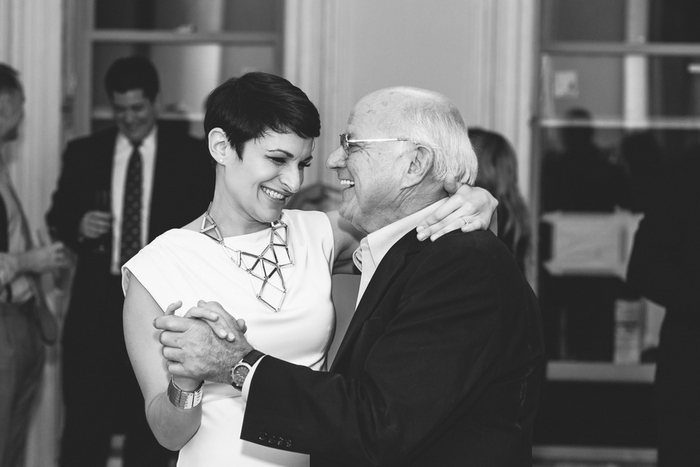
x,y
435,353
72,198
665,261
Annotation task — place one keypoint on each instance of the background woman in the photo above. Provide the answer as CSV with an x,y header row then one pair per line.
x,y
498,174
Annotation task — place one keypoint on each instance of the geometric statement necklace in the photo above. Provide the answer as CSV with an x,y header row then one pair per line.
x,y
264,268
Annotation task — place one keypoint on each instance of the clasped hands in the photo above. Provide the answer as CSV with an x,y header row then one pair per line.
x,y
201,345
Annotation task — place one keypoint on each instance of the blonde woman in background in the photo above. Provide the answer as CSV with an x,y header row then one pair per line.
x,y
498,174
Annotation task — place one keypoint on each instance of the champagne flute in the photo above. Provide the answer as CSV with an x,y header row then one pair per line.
x,y
101,202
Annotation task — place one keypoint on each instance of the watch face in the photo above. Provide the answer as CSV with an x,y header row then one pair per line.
x,y
238,375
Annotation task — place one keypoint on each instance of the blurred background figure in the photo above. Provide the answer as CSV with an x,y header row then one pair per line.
x,y
665,267
580,178
498,173
25,319
642,156
119,188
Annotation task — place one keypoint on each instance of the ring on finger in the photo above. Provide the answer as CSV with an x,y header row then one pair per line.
x,y
464,219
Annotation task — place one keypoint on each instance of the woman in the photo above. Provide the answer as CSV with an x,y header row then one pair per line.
x,y
498,174
272,266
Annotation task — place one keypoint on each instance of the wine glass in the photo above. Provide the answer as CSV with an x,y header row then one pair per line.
x,y
101,202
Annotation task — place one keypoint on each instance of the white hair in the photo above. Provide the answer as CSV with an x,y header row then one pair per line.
x,y
431,119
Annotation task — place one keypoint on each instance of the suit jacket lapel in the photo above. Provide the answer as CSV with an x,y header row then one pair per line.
x,y
391,265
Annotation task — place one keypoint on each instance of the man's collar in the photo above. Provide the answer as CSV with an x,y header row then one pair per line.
x,y
148,141
382,240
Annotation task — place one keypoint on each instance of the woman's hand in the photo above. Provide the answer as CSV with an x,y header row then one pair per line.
x,y
468,208
218,320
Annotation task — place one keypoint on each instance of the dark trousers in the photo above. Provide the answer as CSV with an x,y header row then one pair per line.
x,y
677,392
101,394
21,364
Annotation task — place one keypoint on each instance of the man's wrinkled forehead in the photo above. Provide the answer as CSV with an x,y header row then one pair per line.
x,y
378,110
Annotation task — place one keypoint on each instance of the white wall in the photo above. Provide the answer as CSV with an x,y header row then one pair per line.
x,y
415,43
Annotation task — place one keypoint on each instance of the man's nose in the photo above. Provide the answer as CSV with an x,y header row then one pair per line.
x,y
129,116
336,159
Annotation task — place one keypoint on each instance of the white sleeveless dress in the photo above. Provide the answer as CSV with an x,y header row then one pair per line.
x,y
189,266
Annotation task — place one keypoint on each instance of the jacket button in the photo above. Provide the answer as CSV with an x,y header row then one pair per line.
x,y
262,436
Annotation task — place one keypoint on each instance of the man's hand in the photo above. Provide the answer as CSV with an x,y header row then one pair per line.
x,y
95,224
191,348
44,259
468,208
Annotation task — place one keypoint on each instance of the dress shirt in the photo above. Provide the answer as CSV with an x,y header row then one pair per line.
x,y
376,245
122,153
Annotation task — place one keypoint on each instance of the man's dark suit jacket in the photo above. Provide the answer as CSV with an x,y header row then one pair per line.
x,y
440,366
94,355
665,267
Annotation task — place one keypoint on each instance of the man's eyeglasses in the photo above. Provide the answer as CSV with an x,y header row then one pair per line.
x,y
345,142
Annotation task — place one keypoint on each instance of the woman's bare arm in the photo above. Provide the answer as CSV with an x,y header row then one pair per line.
x,y
172,426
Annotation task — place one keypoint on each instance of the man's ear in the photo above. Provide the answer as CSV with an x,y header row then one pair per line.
x,y
218,142
419,167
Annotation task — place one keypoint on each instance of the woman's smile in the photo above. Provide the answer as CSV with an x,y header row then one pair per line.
x,y
276,195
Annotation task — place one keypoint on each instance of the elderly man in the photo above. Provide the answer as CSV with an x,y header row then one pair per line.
x,y
442,361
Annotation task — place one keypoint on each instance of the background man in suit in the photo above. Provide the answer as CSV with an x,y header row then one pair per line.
x,y
665,267
21,300
119,188
442,361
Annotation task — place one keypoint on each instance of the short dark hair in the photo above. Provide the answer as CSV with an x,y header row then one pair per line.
x,y
129,73
9,79
249,106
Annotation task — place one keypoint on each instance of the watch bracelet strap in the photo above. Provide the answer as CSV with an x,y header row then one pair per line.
x,y
184,399
252,357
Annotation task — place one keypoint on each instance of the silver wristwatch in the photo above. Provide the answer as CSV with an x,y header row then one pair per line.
x,y
184,399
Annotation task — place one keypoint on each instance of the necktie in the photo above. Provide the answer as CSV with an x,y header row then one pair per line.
x,y
131,210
